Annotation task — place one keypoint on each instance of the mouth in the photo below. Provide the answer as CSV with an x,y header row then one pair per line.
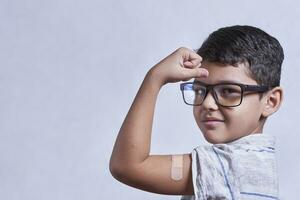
x,y
209,119
211,122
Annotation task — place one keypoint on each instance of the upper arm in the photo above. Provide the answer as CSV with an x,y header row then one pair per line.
x,y
154,175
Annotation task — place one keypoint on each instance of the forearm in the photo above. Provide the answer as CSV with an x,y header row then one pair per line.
x,y
133,142
132,146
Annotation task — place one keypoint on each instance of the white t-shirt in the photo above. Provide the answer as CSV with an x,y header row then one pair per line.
x,y
244,169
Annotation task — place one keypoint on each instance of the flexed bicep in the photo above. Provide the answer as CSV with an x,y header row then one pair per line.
x,y
159,174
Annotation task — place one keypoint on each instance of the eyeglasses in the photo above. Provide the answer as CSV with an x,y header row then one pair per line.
x,y
225,94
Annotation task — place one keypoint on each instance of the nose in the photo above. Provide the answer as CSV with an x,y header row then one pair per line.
x,y
209,103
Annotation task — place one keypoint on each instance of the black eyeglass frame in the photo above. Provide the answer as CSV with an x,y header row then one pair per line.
x,y
244,88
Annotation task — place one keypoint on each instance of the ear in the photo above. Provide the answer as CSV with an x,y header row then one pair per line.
x,y
273,100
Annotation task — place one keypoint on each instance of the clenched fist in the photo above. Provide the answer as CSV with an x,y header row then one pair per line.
x,y
182,65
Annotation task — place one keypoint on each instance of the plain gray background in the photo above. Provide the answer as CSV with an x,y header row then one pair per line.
x,y
70,69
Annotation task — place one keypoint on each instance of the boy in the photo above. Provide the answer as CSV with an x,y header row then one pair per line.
x,y
236,75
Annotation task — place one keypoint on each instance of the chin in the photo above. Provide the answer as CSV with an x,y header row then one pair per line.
x,y
214,138
213,141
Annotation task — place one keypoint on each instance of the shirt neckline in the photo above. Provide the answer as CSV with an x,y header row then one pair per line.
x,y
257,139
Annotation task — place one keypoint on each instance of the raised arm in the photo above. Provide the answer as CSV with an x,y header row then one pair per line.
x,y
130,161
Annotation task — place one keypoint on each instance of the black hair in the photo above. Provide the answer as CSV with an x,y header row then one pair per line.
x,y
261,52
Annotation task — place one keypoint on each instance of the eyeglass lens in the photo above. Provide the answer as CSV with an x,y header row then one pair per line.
x,y
224,94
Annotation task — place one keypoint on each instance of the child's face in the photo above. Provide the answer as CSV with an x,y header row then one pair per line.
x,y
235,122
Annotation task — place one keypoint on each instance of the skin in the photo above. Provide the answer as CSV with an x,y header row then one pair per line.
x,y
131,162
250,113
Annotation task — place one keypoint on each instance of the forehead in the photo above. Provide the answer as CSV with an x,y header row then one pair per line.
x,y
226,73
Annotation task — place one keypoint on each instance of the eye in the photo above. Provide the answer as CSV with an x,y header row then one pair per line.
x,y
200,92
229,91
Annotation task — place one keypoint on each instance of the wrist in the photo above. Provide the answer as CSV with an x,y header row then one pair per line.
x,y
155,79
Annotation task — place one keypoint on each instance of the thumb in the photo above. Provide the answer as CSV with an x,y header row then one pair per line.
x,y
197,72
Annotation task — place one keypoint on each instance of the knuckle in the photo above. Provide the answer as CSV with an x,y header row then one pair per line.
x,y
182,49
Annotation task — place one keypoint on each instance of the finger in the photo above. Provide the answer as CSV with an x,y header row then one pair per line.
x,y
195,60
188,64
192,64
189,55
192,54
196,73
201,72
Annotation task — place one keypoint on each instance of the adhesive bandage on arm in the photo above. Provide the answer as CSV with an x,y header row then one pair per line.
x,y
177,167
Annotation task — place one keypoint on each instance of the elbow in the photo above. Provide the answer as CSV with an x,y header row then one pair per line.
x,y
116,171
119,174
122,173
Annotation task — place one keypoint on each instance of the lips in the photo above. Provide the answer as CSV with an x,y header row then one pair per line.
x,y
211,119
211,122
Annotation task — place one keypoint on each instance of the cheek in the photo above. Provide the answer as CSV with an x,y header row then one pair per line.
x,y
236,116
245,116
196,113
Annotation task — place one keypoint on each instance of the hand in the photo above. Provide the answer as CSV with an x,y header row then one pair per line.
x,y
182,65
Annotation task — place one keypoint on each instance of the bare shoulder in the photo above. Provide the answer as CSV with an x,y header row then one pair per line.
x,y
154,175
